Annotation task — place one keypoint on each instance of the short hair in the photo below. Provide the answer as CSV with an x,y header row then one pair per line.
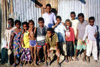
x,y
41,19
58,17
73,13
31,21
25,23
17,21
48,5
91,18
11,20
68,20
50,29
81,14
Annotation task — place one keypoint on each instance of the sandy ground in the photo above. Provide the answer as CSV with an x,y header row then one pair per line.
x,y
79,63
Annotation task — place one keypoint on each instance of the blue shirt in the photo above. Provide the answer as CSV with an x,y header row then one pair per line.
x,y
60,30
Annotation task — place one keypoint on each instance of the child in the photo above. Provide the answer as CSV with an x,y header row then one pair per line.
x,y
60,29
70,40
16,41
32,38
74,22
26,54
8,31
49,17
41,33
91,33
80,33
52,44
74,26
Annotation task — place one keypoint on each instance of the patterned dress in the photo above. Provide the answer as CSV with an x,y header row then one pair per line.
x,y
17,43
26,54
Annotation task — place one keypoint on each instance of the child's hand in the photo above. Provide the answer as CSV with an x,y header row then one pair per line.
x,y
83,42
73,42
66,37
95,35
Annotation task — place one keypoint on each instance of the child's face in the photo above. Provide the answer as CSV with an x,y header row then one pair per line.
x,y
31,25
17,25
58,20
48,9
81,19
25,27
49,33
9,22
68,23
41,23
72,16
91,22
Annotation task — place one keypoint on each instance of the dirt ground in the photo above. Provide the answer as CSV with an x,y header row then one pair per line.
x,y
79,63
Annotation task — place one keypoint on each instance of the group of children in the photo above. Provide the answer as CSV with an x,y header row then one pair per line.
x,y
27,42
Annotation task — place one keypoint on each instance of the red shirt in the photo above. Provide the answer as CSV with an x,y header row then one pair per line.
x,y
70,35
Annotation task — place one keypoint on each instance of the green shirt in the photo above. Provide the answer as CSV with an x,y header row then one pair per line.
x,y
52,40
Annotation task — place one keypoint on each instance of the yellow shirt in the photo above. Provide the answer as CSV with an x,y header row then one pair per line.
x,y
26,39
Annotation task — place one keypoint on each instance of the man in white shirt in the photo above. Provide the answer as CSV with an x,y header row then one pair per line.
x,y
49,17
91,34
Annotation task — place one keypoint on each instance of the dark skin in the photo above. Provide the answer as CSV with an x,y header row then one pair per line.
x,y
91,22
72,16
48,9
81,19
50,34
24,29
41,25
58,22
18,29
32,37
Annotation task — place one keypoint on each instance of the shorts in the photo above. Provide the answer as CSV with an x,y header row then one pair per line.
x,y
32,43
40,44
81,45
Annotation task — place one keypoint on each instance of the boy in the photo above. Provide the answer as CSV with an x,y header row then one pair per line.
x,y
41,33
5,46
80,33
52,44
91,33
49,17
74,22
60,29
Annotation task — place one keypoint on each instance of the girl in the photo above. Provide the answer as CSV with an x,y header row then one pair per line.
x,y
26,54
16,41
32,38
69,36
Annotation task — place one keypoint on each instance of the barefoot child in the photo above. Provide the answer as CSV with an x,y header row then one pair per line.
x,y
70,40
91,33
26,54
80,33
32,38
52,44
16,41
41,33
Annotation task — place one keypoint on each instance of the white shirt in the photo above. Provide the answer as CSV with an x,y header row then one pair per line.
x,y
8,35
60,30
74,25
90,32
49,19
